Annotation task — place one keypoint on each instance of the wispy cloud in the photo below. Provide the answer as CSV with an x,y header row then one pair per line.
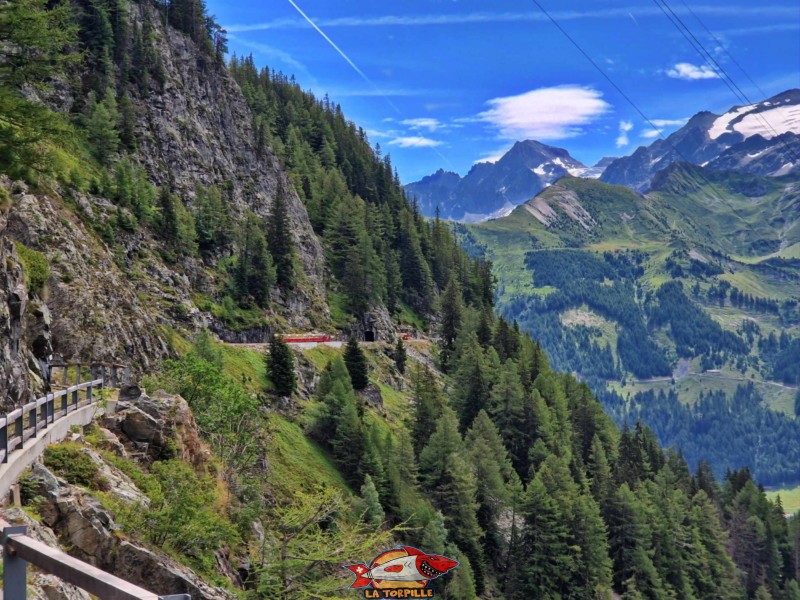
x,y
493,156
661,124
762,29
428,123
690,72
775,11
269,52
341,52
551,113
624,129
415,141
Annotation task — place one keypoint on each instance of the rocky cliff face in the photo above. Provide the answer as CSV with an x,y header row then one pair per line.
x,y
197,129
96,312
119,304
24,331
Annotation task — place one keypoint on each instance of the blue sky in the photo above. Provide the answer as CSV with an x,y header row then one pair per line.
x,y
445,83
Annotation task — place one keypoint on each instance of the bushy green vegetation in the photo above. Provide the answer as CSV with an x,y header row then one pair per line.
x,y
69,461
35,267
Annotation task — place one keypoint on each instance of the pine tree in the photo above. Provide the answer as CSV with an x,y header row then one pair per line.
x,y
493,471
630,540
127,122
255,273
357,364
593,565
472,384
333,390
169,216
280,367
451,322
400,356
100,122
348,442
373,511
428,404
544,553
279,238
214,230
600,472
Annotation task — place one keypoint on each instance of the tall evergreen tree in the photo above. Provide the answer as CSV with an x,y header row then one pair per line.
x,y
472,382
357,365
373,511
451,321
400,355
100,122
429,404
255,273
545,574
280,367
279,239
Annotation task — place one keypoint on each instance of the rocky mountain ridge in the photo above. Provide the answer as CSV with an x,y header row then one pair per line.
x,y
493,189
761,139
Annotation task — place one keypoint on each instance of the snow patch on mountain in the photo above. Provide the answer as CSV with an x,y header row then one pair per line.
x,y
751,120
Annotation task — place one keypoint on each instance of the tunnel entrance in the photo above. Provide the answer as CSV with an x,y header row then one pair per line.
x,y
369,336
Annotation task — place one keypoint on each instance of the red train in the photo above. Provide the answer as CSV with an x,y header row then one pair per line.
x,y
305,339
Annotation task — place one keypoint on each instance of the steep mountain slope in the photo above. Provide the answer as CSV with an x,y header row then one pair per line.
x,y
762,139
493,189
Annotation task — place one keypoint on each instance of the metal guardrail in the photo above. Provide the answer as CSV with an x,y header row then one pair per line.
x,y
19,549
16,428
24,423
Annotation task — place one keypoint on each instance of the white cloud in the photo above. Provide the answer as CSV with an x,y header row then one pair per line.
x,y
691,72
624,128
493,156
377,133
415,141
417,20
551,113
651,133
423,123
669,122
272,54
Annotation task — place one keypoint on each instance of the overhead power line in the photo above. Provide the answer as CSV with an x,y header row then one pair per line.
x,y
608,78
712,62
723,47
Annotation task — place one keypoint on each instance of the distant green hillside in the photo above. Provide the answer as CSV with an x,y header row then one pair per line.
x,y
693,287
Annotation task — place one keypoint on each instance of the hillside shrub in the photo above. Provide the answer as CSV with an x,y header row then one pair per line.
x,y
35,266
74,465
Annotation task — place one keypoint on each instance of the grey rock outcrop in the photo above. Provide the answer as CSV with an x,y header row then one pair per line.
x,y
161,426
81,523
96,312
24,333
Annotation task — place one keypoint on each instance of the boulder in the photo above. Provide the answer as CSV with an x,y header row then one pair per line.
x,y
157,427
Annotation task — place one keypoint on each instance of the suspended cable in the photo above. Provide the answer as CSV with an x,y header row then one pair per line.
x,y
720,71
586,55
